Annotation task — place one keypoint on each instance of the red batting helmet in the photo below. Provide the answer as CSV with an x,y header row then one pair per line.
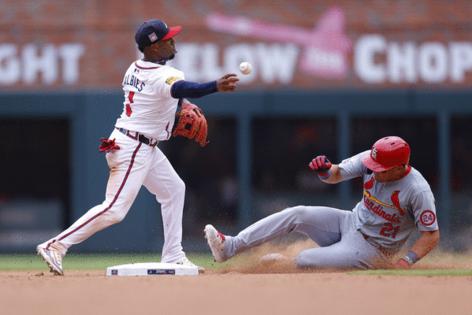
x,y
386,153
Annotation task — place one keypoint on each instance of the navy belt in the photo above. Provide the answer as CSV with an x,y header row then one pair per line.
x,y
137,136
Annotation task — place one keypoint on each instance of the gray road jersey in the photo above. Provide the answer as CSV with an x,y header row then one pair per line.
x,y
389,212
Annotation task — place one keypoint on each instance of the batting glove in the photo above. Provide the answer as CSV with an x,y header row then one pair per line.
x,y
321,165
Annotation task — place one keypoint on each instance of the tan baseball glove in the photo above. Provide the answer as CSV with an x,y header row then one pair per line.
x,y
191,123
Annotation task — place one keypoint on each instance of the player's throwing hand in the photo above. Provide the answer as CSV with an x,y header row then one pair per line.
x,y
227,83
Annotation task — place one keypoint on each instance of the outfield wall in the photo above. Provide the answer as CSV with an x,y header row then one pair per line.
x,y
255,164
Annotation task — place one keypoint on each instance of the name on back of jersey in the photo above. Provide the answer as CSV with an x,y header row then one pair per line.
x,y
132,80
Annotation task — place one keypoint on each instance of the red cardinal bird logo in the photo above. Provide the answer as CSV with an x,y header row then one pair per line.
x,y
396,202
369,184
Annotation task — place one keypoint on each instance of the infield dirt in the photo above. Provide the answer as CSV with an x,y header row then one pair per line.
x,y
243,287
233,293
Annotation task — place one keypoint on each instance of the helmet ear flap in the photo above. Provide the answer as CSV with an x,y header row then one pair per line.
x,y
407,152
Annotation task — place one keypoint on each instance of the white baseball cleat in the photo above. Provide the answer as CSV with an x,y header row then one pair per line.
x,y
216,241
53,258
186,262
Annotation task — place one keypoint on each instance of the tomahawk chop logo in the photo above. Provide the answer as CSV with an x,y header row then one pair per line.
x,y
325,47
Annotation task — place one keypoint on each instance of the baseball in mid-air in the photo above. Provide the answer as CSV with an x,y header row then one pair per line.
x,y
245,67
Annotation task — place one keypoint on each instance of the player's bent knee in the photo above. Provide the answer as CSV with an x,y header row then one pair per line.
x,y
179,187
306,259
115,217
302,261
175,190
298,212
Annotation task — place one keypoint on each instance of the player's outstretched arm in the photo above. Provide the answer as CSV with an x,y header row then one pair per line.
x,y
326,171
423,245
183,88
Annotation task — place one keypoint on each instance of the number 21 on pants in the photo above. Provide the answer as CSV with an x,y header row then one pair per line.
x,y
389,230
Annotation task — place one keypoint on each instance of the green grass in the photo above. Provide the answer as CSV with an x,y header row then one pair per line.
x,y
28,262
24,262
415,272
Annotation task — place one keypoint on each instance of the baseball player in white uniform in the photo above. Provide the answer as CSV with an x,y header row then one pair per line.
x,y
152,92
396,200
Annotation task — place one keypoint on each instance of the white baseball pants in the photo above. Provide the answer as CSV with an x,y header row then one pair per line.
x,y
133,165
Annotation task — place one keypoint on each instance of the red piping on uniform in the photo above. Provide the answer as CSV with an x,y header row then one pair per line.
x,y
111,204
144,68
167,129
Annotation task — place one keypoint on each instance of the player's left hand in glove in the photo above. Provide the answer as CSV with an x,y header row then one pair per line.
x,y
191,123
321,165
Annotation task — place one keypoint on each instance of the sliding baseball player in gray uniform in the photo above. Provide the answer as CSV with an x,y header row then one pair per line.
x,y
396,200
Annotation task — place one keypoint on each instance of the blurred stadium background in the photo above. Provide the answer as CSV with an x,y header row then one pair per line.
x,y
329,77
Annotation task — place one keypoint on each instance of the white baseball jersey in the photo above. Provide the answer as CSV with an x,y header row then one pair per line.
x,y
148,107
150,110
389,211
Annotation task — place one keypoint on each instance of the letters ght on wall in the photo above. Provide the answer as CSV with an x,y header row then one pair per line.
x,y
45,64
319,51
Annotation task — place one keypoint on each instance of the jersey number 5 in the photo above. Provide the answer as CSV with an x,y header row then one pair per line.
x,y
129,111
389,230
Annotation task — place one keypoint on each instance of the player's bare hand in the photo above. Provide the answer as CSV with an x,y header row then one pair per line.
x,y
227,83
320,164
402,264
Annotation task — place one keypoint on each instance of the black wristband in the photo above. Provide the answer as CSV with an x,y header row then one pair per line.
x,y
325,174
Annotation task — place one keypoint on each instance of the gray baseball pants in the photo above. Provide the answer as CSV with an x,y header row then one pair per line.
x,y
341,245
